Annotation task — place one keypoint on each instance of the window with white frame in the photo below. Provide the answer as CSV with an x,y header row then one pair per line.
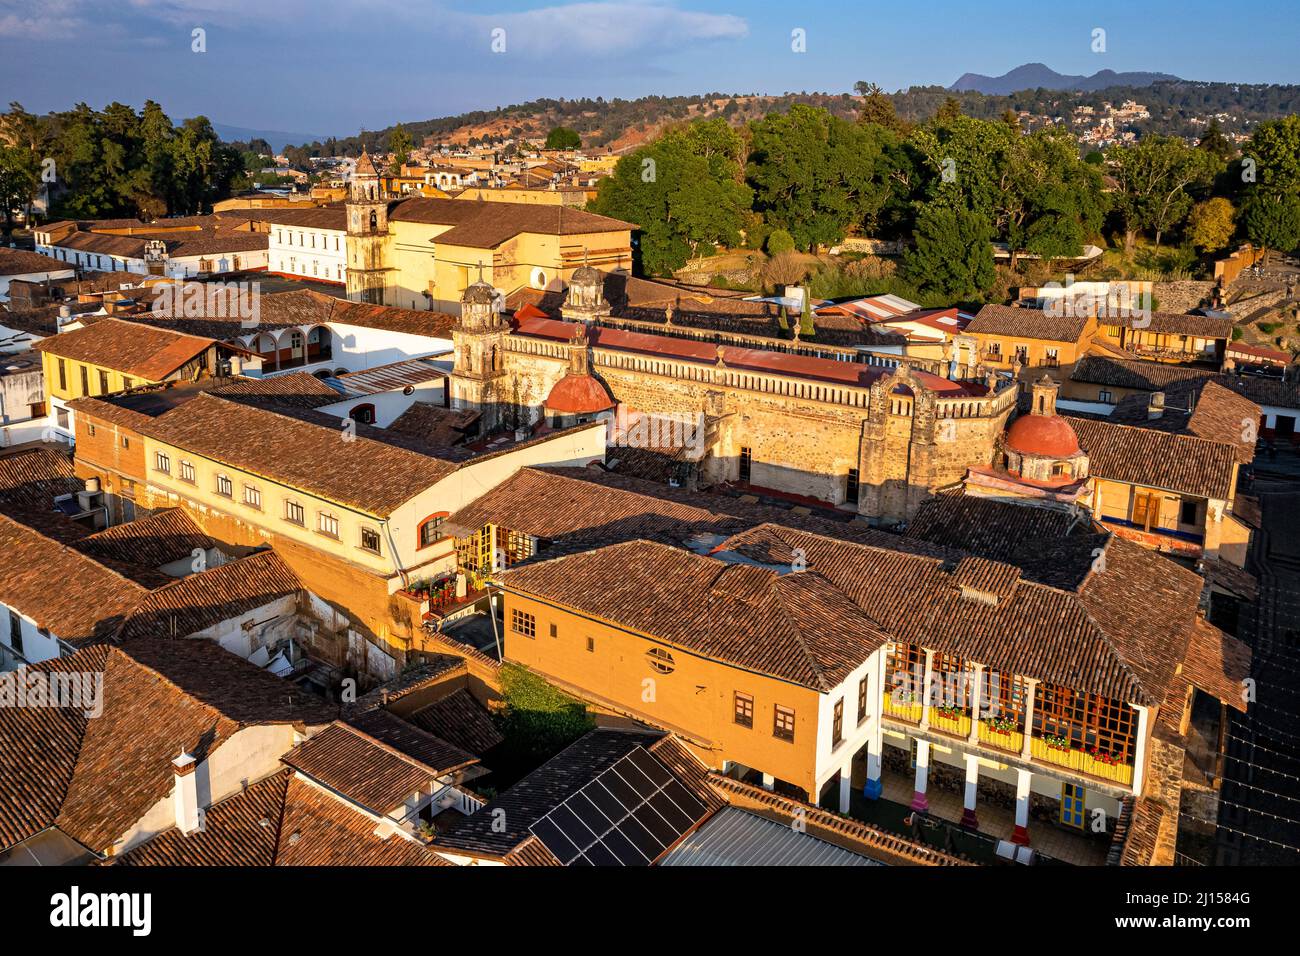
x,y
225,487
326,523
253,496
163,462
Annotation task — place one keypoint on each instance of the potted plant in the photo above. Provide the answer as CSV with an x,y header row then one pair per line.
x,y
948,711
1103,756
1001,725
1056,742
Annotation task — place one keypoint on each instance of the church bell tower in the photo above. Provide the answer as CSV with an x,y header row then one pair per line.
x,y
367,238
478,379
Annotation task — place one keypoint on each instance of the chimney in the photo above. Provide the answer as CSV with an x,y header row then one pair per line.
x,y
1155,406
65,316
186,794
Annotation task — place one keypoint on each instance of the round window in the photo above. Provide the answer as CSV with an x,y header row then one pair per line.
x,y
660,660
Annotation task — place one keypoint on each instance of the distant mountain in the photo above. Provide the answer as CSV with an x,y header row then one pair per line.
x,y
1033,76
277,138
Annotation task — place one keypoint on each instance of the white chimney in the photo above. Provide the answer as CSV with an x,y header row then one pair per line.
x,y
1155,406
186,794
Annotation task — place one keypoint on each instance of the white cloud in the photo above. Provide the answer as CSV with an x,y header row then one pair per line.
x,y
608,29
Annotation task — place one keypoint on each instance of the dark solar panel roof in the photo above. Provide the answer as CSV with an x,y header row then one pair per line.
x,y
628,816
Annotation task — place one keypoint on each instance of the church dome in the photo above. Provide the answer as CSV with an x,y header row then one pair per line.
x,y
479,292
578,395
1044,436
585,275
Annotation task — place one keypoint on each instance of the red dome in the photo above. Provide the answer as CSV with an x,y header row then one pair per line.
x,y
1047,436
578,395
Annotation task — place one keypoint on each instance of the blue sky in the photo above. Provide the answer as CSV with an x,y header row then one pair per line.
x,y
332,67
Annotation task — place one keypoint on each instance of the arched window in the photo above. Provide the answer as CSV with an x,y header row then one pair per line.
x,y
364,413
374,221
431,529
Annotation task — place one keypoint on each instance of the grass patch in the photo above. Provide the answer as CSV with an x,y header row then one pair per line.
x,y
537,721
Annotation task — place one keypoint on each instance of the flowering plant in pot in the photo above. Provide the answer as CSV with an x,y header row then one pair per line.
x,y
1000,725
1055,742
948,711
1103,756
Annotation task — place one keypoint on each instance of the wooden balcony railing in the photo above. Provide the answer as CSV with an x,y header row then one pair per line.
x,y
1012,741
903,710
1082,762
957,724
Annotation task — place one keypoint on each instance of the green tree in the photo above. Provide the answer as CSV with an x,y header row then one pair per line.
x,y
399,144
1272,224
779,241
563,137
1211,224
878,107
1156,179
816,175
684,191
1275,148
20,179
953,255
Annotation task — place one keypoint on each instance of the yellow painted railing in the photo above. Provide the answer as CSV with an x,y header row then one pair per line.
x,y
958,725
903,711
1081,762
1012,741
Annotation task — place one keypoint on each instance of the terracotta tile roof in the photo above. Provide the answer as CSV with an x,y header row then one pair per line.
x,y
434,424
304,451
281,821
1178,323
127,347
38,752
321,830
1027,324
1183,463
33,479
157,696
333,217
1134,373
394,375
1217,664
1198,407
192,604
795,626
376,760
485,225
279,310
461,720
294,389
22,262
161,538
1045,545
93,610
1120,631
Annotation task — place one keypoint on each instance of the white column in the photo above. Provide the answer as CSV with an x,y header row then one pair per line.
x,y
1140,755
925,690
769,782
1021,834
876,701
919,801
976,695
1026,752
968,818
846,784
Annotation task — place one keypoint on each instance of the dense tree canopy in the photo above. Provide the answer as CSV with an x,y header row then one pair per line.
x,y
117,162
685,192
562,137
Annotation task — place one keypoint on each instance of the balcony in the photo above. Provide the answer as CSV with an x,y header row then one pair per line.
x,y
1002,736
1080,761
904,709
950,720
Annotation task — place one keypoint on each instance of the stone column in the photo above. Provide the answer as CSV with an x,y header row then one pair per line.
x,y
968,818
919,801
1021,834
1031,692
